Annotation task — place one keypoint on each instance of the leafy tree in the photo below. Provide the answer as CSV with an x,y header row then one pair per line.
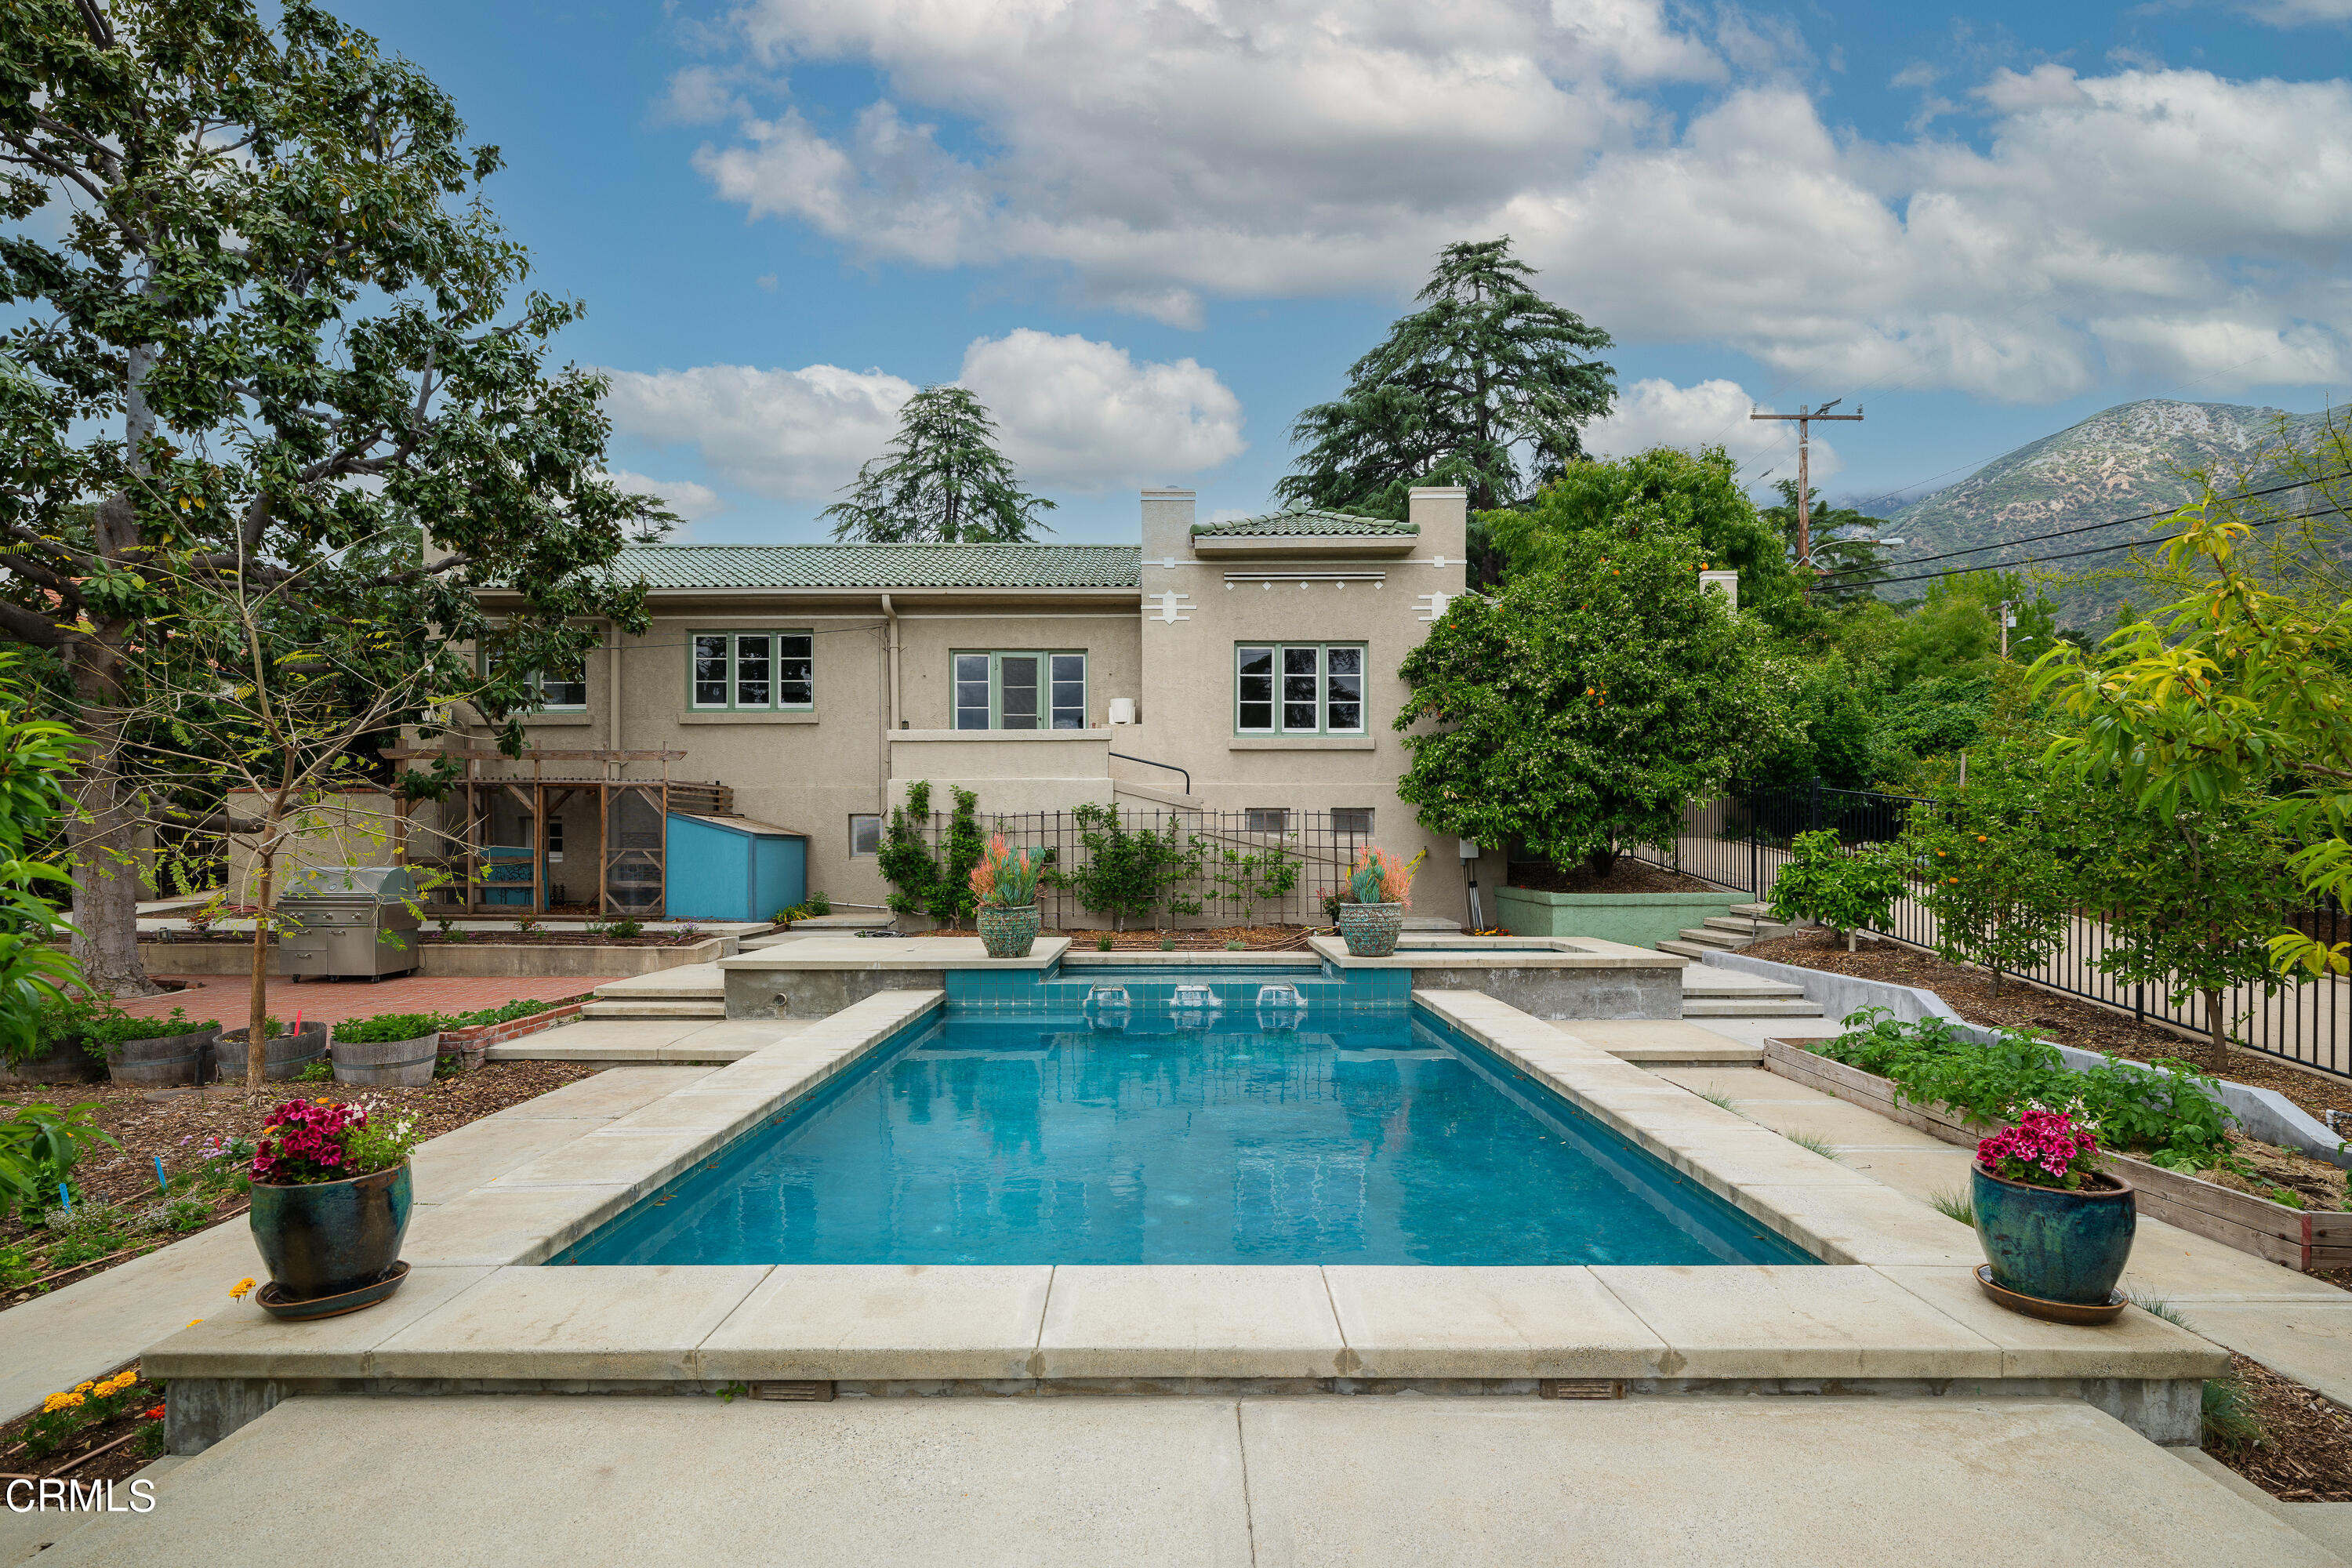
x,y
1958,626
1486,368
1692,493
2240,696
2191,899
270,343
36,763
1845,550
1845,892
943,481
1991,867
1581,707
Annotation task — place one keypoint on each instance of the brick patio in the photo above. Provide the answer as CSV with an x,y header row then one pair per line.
x,y
223,996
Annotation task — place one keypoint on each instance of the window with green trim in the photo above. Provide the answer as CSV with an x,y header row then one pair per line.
x,y
1298,689
750,671
557,693
1027,690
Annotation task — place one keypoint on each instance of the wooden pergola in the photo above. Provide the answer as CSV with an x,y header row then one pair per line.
x,y
633,817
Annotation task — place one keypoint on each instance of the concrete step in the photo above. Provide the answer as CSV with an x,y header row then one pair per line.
x,y
1745,925
1758,912
688,982
1701,980
1707,936
641,1008
1689,950
1748,1007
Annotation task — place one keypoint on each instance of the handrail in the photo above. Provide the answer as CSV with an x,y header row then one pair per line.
x,y
1172,767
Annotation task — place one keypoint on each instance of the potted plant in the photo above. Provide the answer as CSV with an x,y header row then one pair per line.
x,y
285,1053
1005,885
391,1048
1371,911
155,1053
2056,1229
330,1204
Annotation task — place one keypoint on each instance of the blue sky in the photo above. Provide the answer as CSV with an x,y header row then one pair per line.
x,y
1149,235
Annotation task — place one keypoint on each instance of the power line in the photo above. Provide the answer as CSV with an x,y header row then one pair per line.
x,y
2111,522
2095,550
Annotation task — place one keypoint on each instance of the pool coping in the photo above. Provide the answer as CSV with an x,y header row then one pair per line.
x,y
1894,1305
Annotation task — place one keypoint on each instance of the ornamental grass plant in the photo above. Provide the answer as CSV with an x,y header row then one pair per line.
x,y
1005,878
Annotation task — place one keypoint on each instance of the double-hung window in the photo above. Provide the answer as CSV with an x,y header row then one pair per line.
x,y
566,693
751,671
1298,689
1025,690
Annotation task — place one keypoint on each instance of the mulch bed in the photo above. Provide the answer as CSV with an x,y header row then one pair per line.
x,y
116,1186
2305,1451
107,1450
2064,1019
1254,939
1628,876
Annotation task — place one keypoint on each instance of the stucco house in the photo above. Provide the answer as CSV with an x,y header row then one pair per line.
x,y
1245,667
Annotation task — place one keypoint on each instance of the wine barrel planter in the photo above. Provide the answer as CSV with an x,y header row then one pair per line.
x,y
68,1063
165,1061
286,1055
404,1064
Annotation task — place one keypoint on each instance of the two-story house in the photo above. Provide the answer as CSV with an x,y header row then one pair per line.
x,y
1244,667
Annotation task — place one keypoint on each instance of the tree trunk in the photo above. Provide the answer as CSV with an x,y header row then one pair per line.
x,y
256,1002
1849,941
1601,862
106,876
1996,978
2217,1036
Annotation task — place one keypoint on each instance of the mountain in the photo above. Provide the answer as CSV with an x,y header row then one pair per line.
x,y
2126,459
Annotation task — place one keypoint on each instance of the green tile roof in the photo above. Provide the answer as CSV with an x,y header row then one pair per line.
x,y
1300,523
881,565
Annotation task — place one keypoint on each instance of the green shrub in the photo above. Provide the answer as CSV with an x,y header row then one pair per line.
x,y
2168,1113
520,1008
1844,892
623,929
104,1032
819,906
389,1026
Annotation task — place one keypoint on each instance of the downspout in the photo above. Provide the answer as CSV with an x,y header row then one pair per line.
x,y
614,708
891,614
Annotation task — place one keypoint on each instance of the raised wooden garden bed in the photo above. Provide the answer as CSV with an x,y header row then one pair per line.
x,y
2300,1238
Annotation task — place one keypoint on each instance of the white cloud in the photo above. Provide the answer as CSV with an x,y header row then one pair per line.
x,y
1083,415
781,433
2300,13
1657,413
691,501
1168,151
1071,414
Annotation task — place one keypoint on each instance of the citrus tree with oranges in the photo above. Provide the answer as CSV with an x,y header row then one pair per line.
x,y
1989,868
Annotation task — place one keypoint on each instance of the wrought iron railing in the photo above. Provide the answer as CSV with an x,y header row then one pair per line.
x,y
1742,842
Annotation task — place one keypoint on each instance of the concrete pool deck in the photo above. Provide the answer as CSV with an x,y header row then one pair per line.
x,y
1182,1483
1895,1310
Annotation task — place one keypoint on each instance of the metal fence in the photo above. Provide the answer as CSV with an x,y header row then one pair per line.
x,y
1743,841
1220,868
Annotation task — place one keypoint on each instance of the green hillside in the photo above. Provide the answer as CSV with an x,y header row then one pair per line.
x,y
2125,459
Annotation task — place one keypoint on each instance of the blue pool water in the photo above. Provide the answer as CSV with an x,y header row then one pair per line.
x,y
1183,1137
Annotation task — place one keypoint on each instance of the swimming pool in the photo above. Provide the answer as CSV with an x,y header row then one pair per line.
x,y
1175,1135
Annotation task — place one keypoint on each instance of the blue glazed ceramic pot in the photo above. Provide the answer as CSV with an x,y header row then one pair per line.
x,y
2049,1243
1008,930
322,1238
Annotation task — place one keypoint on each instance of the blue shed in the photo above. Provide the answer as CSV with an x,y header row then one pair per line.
x,y
733,867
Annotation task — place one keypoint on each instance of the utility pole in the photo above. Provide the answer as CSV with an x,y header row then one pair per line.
x,y
1805,418
2008,619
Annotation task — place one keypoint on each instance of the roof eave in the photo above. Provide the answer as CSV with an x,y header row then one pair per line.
x,y
1257,546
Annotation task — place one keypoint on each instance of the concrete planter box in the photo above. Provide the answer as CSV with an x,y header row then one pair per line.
x,y
1637,920
2299,1238
466,959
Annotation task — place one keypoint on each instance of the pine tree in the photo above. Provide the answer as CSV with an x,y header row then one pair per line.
x,y
1488,367
942,482
1845,549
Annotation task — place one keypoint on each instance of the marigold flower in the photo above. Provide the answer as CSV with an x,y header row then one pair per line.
x,y
237,1292
84,1387
156,1413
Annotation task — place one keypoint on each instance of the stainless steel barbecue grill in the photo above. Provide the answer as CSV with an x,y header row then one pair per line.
x,y
348,920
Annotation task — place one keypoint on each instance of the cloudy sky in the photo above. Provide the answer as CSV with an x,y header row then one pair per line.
x,y
1146,234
